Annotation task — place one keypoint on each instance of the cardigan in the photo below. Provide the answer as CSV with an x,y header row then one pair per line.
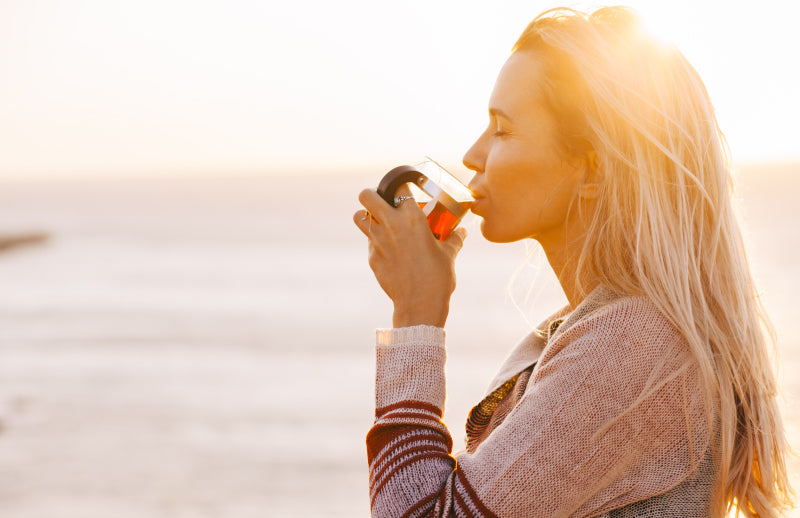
x,y
600,412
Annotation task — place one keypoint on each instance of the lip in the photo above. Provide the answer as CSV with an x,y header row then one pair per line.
x,y
476,204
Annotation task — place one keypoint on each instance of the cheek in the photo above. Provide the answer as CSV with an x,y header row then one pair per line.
x,y
527,199
510,215
516,190
509,184
507,173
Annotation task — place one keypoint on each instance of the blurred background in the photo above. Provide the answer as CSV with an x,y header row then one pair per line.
x,y
186,312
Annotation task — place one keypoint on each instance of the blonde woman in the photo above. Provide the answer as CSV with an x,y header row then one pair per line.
x,y
652,393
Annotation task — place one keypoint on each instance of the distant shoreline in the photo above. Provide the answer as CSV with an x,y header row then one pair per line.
x,y
302,171
8,242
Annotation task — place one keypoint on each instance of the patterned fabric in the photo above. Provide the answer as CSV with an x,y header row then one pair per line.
x,y
605,419
493,409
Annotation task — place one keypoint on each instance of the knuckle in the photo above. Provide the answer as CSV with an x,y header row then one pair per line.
x,y
418,217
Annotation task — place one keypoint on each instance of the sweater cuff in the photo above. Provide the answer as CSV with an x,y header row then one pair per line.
x,y
410,366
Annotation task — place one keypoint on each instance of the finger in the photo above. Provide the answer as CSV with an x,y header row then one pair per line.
x,y
456,239
405,198
361,219
367,224
373,202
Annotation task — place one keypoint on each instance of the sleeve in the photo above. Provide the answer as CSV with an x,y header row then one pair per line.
x,y
412,472
602,423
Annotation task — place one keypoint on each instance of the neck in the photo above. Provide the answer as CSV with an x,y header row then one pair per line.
x,y
563,258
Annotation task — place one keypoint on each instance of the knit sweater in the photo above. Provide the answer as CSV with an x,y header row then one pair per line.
x,y
601,416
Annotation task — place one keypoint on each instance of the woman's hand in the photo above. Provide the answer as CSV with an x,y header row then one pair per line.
x,y
414,269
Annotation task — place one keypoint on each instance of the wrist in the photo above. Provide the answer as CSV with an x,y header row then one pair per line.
x,y
407,317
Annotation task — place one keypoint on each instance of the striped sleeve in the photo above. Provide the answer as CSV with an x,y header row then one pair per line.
x,y
412,471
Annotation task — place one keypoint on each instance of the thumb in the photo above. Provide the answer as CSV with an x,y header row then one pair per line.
x,y
456,239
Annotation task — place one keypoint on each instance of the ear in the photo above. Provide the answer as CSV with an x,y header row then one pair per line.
x,y
590,188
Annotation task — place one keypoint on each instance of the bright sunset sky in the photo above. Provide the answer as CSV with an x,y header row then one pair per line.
x,y
177,86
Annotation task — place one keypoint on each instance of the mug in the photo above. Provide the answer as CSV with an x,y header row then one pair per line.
x,y
450,199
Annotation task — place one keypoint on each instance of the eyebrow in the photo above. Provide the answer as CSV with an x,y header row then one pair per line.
x,y
497,112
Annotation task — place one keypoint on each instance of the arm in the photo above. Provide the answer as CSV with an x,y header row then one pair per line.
x,y
411,470
409,446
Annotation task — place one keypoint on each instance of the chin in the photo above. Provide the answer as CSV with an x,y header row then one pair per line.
x,y
494,235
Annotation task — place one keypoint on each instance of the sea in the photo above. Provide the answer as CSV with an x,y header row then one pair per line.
x,y
203,346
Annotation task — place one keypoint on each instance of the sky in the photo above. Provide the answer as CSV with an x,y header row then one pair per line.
x,y
110,87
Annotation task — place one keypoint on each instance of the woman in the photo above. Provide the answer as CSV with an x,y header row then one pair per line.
x,y
651,394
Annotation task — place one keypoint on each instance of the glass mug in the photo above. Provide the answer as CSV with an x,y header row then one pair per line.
x,y
450,199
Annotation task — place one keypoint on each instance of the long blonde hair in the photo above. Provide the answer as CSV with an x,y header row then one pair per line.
x,y
664,226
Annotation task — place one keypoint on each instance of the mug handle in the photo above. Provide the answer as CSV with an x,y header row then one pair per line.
x,y
398,176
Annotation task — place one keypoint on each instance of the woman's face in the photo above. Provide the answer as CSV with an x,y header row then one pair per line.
x,y
524,184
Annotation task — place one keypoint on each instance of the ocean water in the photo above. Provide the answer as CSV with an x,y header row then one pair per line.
x,y
204,347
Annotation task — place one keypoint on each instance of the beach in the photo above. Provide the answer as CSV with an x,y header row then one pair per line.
x,y
203,346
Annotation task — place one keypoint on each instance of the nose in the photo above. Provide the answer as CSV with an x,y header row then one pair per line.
x,y
475,157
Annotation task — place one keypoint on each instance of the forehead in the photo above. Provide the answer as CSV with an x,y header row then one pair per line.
x,y
517,91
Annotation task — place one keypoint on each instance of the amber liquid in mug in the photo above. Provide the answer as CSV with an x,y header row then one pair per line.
x,y
441,220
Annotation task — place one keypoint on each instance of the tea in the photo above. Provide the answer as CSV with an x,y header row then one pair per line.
x,y
449,198
442,221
